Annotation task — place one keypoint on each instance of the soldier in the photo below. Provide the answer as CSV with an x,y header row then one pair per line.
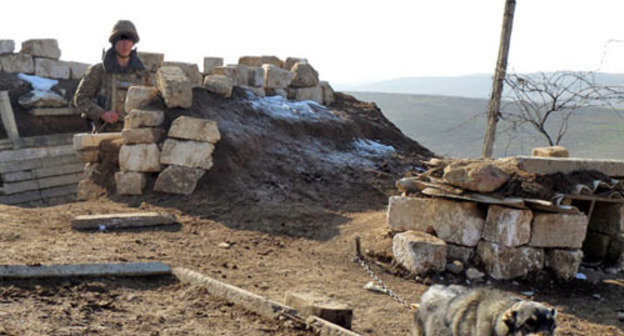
x,y
101,93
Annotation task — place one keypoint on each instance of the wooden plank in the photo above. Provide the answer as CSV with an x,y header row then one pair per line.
x,y
7,117
55,181
52,111
17,176
36,153
20,187
84,270
37,163
21,198
71,189
56,200
508,201
58,170
47,140
114,221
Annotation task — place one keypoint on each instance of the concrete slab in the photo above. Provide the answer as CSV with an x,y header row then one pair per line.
x,y
71,189
21,197
36,153
551,165
90,270
29,164
113,221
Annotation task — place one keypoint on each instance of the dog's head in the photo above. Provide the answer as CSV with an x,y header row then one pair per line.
x,y
529,318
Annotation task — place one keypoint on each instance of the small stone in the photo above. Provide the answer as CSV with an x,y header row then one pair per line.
x,y
552,151
456,267
371,286
219,84
304,75
175,87
474,274
178,180
210,63
139,96
189,128
47,48
224,245
275,77
419,252
479,176
144,118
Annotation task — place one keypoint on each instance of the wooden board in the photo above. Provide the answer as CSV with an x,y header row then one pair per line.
x,y
29,164
7,117
114,221
36,153
81,270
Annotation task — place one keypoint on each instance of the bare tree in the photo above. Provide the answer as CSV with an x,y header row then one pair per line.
x,y
547,101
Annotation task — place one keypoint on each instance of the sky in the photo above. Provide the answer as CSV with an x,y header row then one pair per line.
x,y
348,42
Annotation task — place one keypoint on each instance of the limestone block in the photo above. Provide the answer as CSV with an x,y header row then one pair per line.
x,y
255,76
210,63
478,176
45,67
7,46
507,226
274,60
84,141
192,154
419,252
314,93
503,262
140,158
178,180
616,248
191,71
552,151
77,69
175,87
189,128
219,84
459,223
238,73
607,218
258,91
275,77
47,48
558,230
17,63
305,75
139,96
314,304
457,252
260,60
142,135
151,61
144,118
595,245
130,183
328,93
290,62
564,263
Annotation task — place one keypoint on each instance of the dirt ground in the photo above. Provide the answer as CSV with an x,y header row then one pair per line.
x,y
266,257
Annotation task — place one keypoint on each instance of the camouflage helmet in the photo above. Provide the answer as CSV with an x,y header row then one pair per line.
x,y
124,27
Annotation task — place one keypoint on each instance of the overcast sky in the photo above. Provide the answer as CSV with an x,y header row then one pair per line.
x,y
346,41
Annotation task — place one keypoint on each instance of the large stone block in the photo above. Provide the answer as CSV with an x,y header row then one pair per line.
x,y
130,183
139,96
507,226
260,60
607,218
7,46
314,304
328,93
314,93
45,67
178,180
17,63
187,153
238,73
290,62
175,87
191,71
210,63
459,223
276,77
142,135
47,48
152,61
503,262
551,165
255,76
419,252
552,151
77,70
83,141
558,230
565,263
140,158
219,84
144,118
595,245
457,252
189,128
305,75
478,176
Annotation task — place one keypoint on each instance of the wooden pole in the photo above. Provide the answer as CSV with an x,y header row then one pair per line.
x,y
8,119
499,77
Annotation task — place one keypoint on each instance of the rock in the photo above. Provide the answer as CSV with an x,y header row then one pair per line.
x,y
193,154
175,87
607,218
219,84
595,245
275,92
88,190
139,96
239,74
565,263
419,252
178,180
88,155
474,274
142,135
77,70
14,63
290,62
328,93
38,98
144,118
372,287
258,91
50,68
189,128
84,141
224,245
7,46
140,158
152,61
461,253
276,78
615,250
507,226
191,71
259,60
47,48
479,176
210,63
548,228
552,151
314,304
304,75
130,183
504,263
314,93
274,60
456,267
255,77
459,223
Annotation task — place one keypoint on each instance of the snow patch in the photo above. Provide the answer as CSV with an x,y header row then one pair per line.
x,y
363,154
367,147
280,107
38,83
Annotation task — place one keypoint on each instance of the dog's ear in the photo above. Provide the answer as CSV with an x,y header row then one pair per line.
x,y
509,317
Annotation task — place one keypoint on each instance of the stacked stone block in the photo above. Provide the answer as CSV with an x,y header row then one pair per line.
x,y
605,235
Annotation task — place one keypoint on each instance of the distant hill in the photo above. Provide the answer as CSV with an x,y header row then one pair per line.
x,y
474,86
454,126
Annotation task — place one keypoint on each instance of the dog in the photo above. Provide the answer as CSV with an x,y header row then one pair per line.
x,y
459,311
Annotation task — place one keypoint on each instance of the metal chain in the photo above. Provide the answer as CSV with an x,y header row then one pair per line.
x,y
383,286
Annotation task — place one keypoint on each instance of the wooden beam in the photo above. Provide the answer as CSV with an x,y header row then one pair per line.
x,y
7,117
88,270
114,221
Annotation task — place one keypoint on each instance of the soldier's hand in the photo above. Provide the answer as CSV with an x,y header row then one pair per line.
x,y
110,117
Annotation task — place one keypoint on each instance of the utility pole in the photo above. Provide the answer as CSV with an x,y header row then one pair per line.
x,y
499,77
